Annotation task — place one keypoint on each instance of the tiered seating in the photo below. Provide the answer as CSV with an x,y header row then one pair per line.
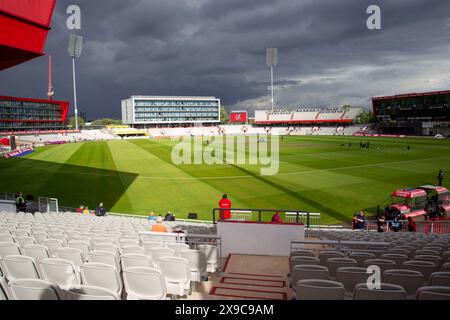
x,y
74,256
412,265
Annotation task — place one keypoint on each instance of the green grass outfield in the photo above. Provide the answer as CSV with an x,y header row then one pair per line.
x,y
316,174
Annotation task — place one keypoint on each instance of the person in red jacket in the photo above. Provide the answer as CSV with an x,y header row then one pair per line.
x,y
225,203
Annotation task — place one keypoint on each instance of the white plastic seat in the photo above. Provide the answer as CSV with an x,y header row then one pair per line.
x,y
197,264
177,275
83,245
144,284
20,267
9,248
39,236
5,231
7,238
360,257
106,257
34,289
62,272
334,263
4,292
23,241
149,244
396,257
157,253
441,279
136,260
128,242
85,292
177,247
319,290
52,245
72,254
433,293
303,260
107,247
386,292
132,249
351,276
410,280
61,237
383,264
424,267
212,256
21,233
307,272
102,275
303,253
325,255
437,260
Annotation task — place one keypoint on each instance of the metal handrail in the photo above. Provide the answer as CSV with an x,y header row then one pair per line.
x,y
260,211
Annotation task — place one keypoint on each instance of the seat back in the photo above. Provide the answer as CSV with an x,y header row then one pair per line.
x,y
34,289
304,272
441,279
334,263
101,275
196,258
61,272
132,249
86,292
9,248
212,256
149,245
36,251
177,247
176,273
325,255
106,257
437,260
23,241
424,267
351,276
319,290
410,280
386,292
360,257
52,245
157,253
433,293
383,264
72,254
396,257
136,260
144,283
83,245
20,267
7,238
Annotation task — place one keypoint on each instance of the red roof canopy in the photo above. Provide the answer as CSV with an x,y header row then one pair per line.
x,y
24,27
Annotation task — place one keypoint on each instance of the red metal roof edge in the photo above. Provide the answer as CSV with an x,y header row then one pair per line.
x,y
408,95
34,100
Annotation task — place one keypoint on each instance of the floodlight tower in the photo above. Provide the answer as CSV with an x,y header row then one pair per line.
x,y
75,47
50,91
272,60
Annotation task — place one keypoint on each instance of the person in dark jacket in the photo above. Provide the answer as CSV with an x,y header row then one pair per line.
x,y
20,202
100,211
440,177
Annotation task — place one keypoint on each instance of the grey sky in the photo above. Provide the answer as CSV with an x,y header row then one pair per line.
x,y
327,56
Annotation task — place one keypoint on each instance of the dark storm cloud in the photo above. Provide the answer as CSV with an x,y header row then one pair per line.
x,y
217,47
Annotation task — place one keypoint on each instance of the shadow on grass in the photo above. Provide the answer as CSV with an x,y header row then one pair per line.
x,y
72,185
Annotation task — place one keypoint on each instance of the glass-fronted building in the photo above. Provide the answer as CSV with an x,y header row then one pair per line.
x,y
25,115
156,111
415,113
